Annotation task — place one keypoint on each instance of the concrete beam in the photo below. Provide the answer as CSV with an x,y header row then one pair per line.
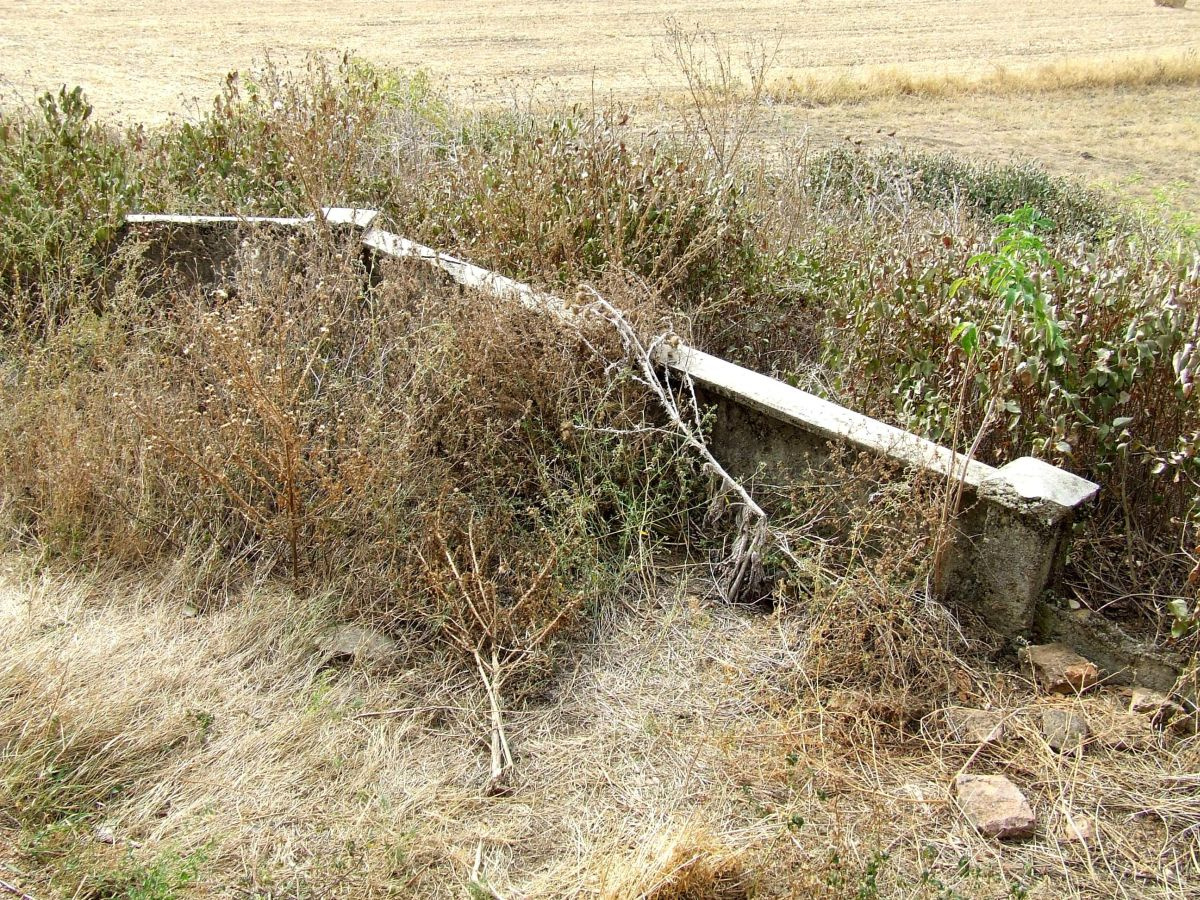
x,y
821,417
467,274
333,215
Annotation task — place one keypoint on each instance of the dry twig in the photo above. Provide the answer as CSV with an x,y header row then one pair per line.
x,y
742,573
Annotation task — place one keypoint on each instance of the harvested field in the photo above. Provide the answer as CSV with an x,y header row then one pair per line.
x,y
148,61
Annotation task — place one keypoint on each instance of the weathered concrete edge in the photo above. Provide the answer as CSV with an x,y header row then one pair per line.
x,y
464,273
333,215
1028,486
1038,489
823,417
1053,491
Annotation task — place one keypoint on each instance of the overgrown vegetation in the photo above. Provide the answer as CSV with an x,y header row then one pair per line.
x,y
493,484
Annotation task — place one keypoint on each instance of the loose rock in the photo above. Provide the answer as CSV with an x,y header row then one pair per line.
x,y
1064,730
994,806
1078,830
349,642
1060,670
974,726
1159,707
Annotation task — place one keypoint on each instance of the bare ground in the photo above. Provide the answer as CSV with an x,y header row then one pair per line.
x,y
686,744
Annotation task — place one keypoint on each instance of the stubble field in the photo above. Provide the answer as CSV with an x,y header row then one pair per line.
x,y
149,61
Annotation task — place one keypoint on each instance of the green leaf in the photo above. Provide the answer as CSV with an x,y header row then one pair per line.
x,y
967,336
1178,607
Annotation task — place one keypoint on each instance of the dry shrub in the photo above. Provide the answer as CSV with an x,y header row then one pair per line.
x,y
66,440
869,634
677,862
292,412
366,440
864,610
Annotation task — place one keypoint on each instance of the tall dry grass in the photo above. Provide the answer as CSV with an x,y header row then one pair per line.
x,y
1179,69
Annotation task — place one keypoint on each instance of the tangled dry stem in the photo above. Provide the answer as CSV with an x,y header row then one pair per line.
x,y
742,570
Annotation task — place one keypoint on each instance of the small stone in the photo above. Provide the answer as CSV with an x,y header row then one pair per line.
x,y
346,642
104,834
974,726
1159,707
1060,670
1064,730
1078,830
994,806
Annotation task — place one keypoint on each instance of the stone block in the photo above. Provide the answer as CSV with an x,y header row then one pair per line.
x,y
994,806
1060,670
1064,731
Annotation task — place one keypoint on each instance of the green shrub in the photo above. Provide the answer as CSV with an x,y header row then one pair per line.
x,y
1077,349
984,189
65,184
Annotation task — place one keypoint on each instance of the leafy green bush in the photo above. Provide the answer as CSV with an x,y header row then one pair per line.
x,y
1067,350
65,184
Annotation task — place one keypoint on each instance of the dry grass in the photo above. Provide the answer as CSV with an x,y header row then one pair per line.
x,y
1178,69
684,753
575,47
